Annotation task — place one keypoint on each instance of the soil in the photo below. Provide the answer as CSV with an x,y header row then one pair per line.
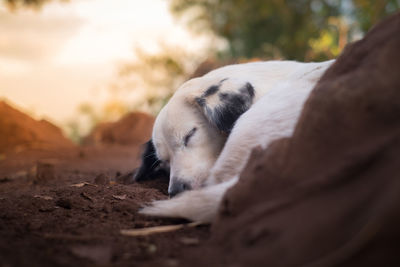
x,y
65,205
51,222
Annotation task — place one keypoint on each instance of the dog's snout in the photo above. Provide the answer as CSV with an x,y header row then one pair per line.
x,y
177,187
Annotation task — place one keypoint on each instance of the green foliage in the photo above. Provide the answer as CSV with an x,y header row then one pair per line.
x,y
153,77
18,4
277,28
84,121
368,12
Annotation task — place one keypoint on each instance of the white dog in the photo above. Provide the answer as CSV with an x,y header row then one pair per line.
x,y
206,132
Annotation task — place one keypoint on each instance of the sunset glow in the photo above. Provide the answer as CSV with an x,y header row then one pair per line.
x,y
68,53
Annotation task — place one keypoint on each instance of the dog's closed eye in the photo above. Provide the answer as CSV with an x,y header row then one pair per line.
x,y
188,136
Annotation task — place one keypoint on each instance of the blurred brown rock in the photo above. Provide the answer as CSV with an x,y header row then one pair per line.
x,y
19,131
132,129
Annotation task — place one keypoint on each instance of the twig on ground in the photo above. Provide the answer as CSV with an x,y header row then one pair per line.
x,y
82,184
158,229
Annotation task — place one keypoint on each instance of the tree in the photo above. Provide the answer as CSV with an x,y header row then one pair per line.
x,y
367,13
276,28
153,77
17,4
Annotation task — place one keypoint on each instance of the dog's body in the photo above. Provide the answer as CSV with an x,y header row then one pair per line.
x,y
209,127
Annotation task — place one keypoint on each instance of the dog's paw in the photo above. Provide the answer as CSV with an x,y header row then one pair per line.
x,y
160,208
195,205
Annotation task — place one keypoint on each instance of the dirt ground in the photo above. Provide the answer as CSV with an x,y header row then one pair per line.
x,y
49,218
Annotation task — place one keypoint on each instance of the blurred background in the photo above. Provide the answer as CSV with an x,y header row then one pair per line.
x,y
77,63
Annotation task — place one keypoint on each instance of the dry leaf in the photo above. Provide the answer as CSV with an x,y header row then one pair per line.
x,y
82,184
120,197
79,185
86,196
43,197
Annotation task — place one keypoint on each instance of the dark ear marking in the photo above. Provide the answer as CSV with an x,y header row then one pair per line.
x,y
230,107
249,89
213,89
149,167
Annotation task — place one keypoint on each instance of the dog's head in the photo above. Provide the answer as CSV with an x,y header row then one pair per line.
x,y
191,130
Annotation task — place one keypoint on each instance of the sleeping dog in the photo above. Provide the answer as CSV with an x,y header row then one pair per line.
x,y
205,133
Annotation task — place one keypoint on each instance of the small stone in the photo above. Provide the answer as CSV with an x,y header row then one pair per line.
x,y
5,180
64,203
171,262
45,172
107,208
46,209
126,178
98,254
152,248
102,179
189,241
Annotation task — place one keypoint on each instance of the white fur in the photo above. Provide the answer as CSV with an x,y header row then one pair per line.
x,y
196,205
281,87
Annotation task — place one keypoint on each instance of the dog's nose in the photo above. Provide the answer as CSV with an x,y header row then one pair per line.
x,y
177,187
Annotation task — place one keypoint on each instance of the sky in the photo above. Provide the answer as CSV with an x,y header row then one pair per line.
x,y
68,53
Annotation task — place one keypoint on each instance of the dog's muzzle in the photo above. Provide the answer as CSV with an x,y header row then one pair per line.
x,y
177,187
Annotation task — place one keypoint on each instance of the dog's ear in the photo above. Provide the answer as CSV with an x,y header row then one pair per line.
x,y
223,103
149,167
